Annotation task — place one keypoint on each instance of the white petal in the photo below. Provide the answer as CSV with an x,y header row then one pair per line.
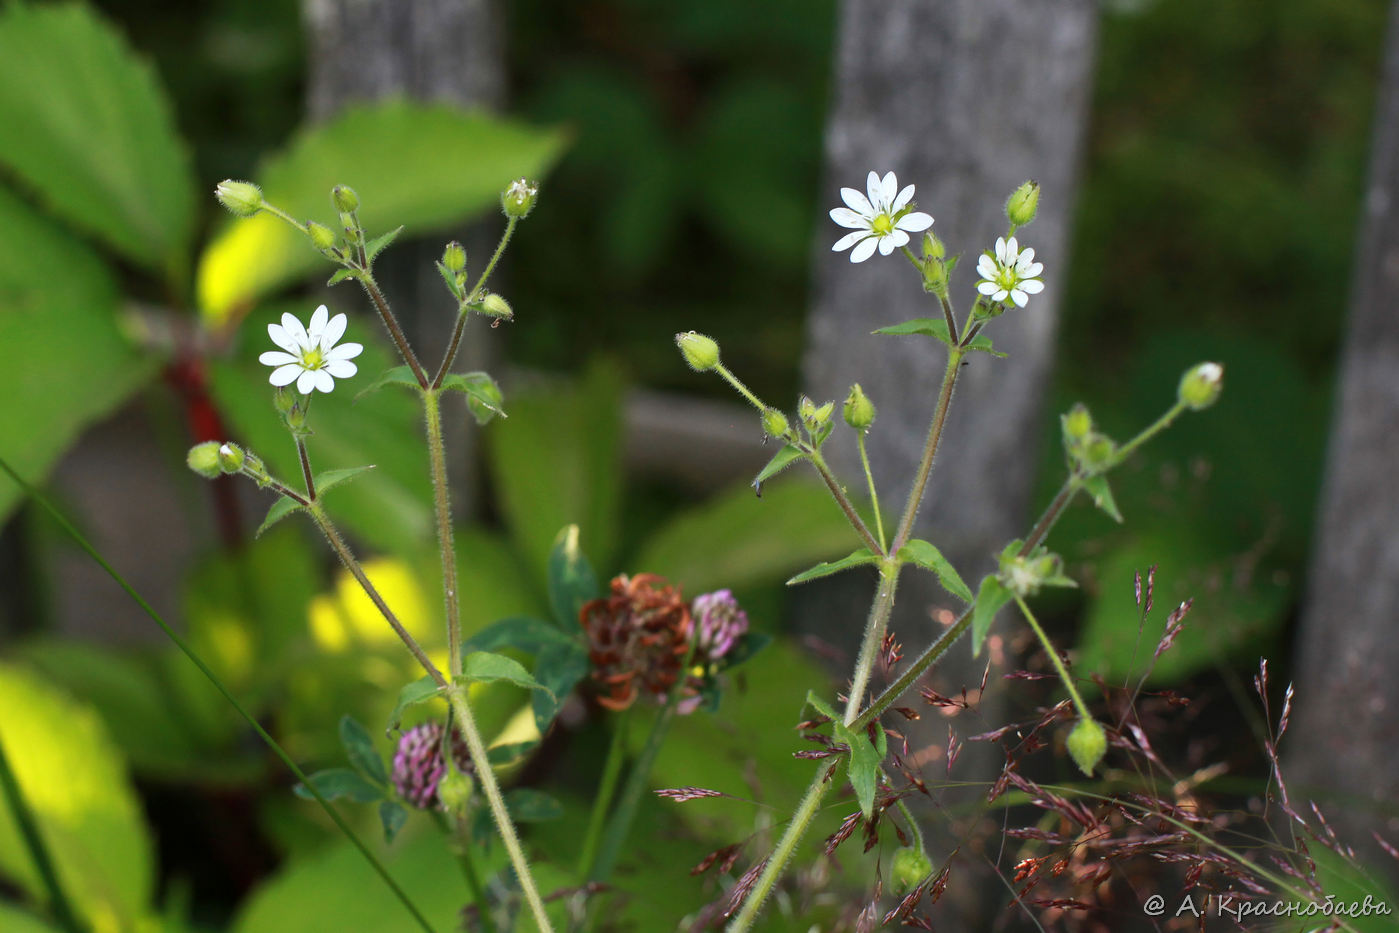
x,y
324,381
902,200
1000,295
341,369
864,250
986,266
896,239
1032,286
889,189
332,331
1026,257
281,338
346,351
1001,249
276,358
848,218
285,375
887,245
1018,297
295,332
318,319
873,187
849,240
306,382
1012,251
1030,271
915,222
857,202
986,288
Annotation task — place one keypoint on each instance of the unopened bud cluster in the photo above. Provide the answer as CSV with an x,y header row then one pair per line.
x,y
212,459
1089,451
518,199
1023,575
1023,204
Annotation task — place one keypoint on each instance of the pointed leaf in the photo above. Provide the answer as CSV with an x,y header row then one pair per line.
x,y
500,755
1098,488
857,559
359,748
483,395
279,510
334,783
784,458
863,767
520,632
398,376
339,276
571,579
485,667
982,343
377,245
419,691
450,280
989,600
821,706
527,805
934,327
928,557
558,670
392,816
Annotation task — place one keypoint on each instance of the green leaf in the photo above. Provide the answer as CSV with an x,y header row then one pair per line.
x,y
486,667
397,376
392,816
67,362
1098,488
747,646
928,557
331,478
380,243
821,706
558,669
419,691
92,133
339,276
527,805
427,166
483,395
334,783
989,600
982,343
571,579
279,510
86,808
780,461
501,755
936,328
325,482
857,559
521,632
863,768
359,748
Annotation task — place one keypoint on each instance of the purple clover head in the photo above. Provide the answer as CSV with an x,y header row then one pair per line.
x,y
418,765
722,622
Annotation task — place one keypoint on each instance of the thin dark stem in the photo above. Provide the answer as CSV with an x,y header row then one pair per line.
x,y
950,318
455,344
306,468
930,449
63,913
277,486
371,287
607,789
845,504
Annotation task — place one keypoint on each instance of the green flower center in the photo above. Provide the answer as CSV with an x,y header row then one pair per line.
x,y
312,359
883,225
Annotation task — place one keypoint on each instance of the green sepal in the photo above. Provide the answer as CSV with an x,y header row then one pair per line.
x,y
857,559
380,243
1097,487
483,395
927,556
989,599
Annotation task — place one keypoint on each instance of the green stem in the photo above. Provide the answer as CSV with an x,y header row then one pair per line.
x,y
912,824
607,788
450,356
874,493
1156,427
466,723
620,824
844,502
930,449
442,508
1054,656
204,669
466,856
742,389
63,913
875,626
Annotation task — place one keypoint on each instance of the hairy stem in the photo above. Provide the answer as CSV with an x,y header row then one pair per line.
x,y
930,449
306,474
400,340
607,789
875,627
739,387
442,508
874,493
846,506
455,344
1054,656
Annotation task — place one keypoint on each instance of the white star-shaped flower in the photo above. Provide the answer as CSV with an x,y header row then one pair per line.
x,y
881,218
311,358
1010,274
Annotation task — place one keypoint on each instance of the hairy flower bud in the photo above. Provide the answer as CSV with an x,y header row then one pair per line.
x,y
1023,204
454,257
497,307
454,791
909,867
231,458
1201,385
344,199
701,353
775,423
241,198
1087,744
518,199
933,247
1077,422
204,459
322,237
859,410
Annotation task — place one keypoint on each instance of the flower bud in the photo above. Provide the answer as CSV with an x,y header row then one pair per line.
x,y
1201,385
1077,422
1087,744
909,867
497,307
1023,203
231,458
518,199
454,791
1097,452
283,400
701,353
859,410
806,409
322,237
350,225
454,257
934,277
775,423
823,414
241,198
344,199
204,459
933,248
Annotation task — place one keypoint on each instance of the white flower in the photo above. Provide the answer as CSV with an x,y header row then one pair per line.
x,y
1010,274
882,219
312,360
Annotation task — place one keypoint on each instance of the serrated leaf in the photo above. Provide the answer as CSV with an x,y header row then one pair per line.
x,y
784,458
398,376
571,579
863,767
521,632
486,667
91,132
925,555
821,706
392,816
339,276
527,805
934,327
857,559
483,395
279,510
558,668
1098,488
334,783
391,153
359,748
989,600
380,243
419,691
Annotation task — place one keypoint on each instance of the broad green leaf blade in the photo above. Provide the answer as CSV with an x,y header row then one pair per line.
x,y
86,807
519,632
392,816
380,243
982,343
278,511
67,363
532,806
425,166
397,376
1098,488
863,767
558,669
780,461
858,559
989,600
571,579
359,748
334,783
486,667
339,276
925,555
90,131
821,706
483,396
331,478
501,755
934,327
419,691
